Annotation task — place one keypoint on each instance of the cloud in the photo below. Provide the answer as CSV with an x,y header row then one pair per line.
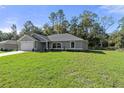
x,y
6,26
5,30
11,21
113,8
8,30
2,6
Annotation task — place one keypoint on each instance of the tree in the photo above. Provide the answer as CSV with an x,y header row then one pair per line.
x,y
65,26
58,21
7,36
1,36
53,18
14,32
47,30
97,35
27,29
60,16
87,20
106,22
121,24
30,28
74,26
117,38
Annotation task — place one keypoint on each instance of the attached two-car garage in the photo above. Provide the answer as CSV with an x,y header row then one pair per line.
x,y
32,42
27,45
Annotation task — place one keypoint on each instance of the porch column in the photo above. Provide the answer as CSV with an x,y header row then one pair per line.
x,y
47,45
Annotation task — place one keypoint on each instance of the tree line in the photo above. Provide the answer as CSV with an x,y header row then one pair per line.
x,y
88,26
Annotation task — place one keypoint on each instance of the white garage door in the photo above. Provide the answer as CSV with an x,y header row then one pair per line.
x,y
27,45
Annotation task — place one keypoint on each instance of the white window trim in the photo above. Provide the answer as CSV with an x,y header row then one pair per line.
x,y
56,43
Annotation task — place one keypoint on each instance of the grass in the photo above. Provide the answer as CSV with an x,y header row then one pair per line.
x,y
63,69
1,51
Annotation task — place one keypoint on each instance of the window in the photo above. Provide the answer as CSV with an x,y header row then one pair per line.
x,y
56,45
72,44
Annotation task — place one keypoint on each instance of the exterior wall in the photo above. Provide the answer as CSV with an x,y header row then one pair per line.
x,y
19,45
81,45
63,44
26,39
27,45
9,46
66,45
2,46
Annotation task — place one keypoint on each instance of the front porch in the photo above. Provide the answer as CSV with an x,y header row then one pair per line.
x,y
41,46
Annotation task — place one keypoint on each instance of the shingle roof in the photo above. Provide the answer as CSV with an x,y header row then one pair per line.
x,y
63,37
56,37
9,42
40,37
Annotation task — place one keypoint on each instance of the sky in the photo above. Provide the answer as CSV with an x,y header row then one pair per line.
x,y
38,14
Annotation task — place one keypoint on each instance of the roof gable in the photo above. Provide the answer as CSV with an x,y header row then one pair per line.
x,y
40,37
27,38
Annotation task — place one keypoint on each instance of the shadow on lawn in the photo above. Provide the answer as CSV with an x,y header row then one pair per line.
x,y
95,52
87,51
91,51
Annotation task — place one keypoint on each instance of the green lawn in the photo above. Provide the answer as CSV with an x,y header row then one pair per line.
x,y
1,51
63,69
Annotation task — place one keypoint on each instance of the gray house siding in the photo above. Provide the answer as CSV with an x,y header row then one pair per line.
x,y
25,41
37,45
42,43
66,45
81,45
9,46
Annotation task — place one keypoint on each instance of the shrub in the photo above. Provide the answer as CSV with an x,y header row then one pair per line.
x,y
1,49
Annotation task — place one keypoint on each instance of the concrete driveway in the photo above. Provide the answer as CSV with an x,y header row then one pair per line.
x,y
11,53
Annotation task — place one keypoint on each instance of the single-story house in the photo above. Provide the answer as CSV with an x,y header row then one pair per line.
x,y
38,42
8,45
